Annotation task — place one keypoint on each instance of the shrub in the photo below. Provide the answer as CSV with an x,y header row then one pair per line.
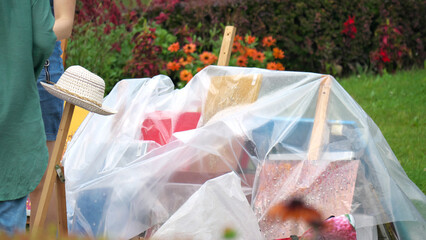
x,y
312,32
181,56
391,49
339,38
145,59
102,52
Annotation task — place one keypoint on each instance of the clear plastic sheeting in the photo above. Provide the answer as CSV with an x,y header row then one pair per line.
x,y
284,134
219,204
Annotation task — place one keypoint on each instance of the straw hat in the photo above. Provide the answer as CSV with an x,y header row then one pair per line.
x,y
82,88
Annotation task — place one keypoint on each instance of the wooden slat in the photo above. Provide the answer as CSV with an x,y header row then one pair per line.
x,y
64,44
317,136
226,48
62,206
51,175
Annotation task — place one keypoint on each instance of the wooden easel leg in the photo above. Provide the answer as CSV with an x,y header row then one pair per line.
x,y
316,142
226,48
51,177
62,207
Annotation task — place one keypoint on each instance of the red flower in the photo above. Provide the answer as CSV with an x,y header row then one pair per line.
x,y
384,55
349,28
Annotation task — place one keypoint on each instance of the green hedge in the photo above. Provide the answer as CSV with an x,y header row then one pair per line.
x,y
310,31
327,36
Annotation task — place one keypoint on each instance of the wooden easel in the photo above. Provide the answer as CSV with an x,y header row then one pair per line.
x,y
316,142
51,175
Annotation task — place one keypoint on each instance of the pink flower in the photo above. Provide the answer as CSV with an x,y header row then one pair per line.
x,y
107,29
113,19
334,228
161,18
116,46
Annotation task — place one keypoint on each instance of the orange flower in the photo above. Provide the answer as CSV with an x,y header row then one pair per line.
x,y
186,61
271,66
268,41
173,66
259,56
275,66
207,58
295,209
185,75
242,61
189,48
278,53
200,68
189,58
250,52
214,59
250,39
182,62
174,47
236,46
280,67
238,38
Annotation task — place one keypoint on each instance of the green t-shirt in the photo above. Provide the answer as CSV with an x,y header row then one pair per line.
x,y
26,41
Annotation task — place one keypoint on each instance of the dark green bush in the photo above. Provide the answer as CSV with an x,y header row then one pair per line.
x,y
101,53
310,31
328,36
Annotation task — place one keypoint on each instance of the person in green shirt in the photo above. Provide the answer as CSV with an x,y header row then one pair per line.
x,y
26,41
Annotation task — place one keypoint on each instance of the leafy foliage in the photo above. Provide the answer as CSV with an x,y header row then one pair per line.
x,y
101,53
312,32
335,37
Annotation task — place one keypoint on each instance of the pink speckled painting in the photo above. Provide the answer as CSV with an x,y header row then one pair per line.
x,y
328,186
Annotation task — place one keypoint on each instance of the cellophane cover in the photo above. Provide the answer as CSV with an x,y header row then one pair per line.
x,y
127,174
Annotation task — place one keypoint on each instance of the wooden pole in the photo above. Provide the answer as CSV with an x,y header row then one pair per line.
x,y
64,44
317,136
51,178
226,48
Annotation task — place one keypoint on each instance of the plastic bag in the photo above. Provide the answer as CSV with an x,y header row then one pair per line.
x,y
218,205
143,183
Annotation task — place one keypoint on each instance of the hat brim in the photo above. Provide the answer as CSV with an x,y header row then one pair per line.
x,y
77,101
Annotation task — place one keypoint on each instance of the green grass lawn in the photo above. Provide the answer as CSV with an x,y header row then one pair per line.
x,y
396,103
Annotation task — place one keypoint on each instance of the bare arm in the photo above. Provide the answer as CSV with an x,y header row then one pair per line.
x,y
64,18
